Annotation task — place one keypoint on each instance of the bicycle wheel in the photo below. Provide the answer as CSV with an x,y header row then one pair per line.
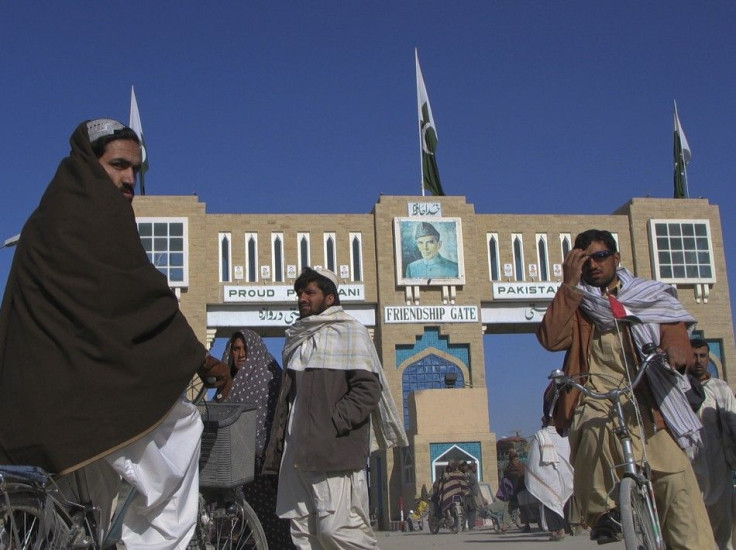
x,y
432,519
637,516
233,525
29,521
515,516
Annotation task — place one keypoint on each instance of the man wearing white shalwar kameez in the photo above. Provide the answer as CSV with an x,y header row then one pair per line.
x,y
713,462
549,475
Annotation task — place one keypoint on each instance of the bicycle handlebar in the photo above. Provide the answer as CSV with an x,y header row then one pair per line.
x,y
561,379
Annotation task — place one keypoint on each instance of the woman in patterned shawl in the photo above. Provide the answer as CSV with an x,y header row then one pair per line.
x,y
257,379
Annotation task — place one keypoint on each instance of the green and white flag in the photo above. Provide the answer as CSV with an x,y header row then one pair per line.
x,y
682,158
137,127
427,138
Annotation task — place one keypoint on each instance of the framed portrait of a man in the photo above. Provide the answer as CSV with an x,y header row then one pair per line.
x,y
429,251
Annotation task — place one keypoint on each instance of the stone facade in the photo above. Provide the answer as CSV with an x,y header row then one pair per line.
x,y
428,332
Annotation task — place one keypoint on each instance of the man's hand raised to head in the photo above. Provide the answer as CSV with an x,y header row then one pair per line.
x,y
572,267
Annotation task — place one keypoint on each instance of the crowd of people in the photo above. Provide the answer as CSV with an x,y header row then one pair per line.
x,y
90,330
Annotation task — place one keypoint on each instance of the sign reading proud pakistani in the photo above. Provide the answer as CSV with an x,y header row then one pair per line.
x,y
525,291
284,293
430,314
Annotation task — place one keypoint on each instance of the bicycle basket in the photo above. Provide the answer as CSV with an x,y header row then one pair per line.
x,y
228,444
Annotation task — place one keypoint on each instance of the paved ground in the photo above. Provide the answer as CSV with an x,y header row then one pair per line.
x,y
484,538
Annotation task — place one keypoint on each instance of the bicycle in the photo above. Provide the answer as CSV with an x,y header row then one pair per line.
x,y
36,512
637,507
452,519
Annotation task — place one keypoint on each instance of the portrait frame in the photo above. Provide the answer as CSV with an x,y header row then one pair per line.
x,y
450,249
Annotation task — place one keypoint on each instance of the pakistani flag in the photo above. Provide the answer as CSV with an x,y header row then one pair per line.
x,y
428,138
137,127
682,158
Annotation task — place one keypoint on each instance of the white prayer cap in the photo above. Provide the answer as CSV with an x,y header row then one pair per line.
x,y
102,127
326,273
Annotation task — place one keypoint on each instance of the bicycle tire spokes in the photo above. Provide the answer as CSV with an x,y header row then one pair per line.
x,y
639,522
29,520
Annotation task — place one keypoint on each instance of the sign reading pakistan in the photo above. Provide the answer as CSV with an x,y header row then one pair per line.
x,y
429,251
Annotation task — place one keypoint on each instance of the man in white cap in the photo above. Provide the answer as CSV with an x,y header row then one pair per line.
x,y
95,354
332,393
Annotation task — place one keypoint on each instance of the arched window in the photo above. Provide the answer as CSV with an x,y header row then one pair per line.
x,y
277,246
330,256
518,257
225,257
252,258
304,260
356,256
542,257
565,244
493,257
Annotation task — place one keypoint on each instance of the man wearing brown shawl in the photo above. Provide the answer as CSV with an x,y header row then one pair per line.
x,y
94,352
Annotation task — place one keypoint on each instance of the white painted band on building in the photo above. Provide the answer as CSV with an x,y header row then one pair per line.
x,y
516,314
430,314
283,293
525,291
246,315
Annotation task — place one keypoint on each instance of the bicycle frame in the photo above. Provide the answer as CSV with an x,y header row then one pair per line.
x,y
630,467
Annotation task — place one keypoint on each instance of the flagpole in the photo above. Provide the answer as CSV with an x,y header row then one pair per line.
x,y
421,166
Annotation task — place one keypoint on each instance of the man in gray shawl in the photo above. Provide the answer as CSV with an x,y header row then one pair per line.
x,y
332,395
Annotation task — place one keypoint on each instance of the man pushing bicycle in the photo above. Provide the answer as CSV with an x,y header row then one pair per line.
x,y
581,320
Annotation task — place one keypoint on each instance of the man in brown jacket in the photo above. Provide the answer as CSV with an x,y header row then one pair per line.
x,y
580,322
333,393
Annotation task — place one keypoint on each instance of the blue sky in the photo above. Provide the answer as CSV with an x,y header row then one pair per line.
x,y
308,107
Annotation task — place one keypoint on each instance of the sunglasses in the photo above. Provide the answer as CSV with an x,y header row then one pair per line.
x,y
601,255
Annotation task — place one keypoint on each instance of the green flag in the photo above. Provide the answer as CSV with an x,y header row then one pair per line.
x,y
682,158
137,127
428,138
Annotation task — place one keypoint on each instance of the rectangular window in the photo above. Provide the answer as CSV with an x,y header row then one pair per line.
x,y
303,249
356,256
277,257
251,257
682,251
494,264
166,242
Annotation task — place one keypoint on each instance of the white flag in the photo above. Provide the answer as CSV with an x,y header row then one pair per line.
x,y
686,153
137,127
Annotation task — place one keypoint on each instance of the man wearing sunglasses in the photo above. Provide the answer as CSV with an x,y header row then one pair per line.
x,y
582,321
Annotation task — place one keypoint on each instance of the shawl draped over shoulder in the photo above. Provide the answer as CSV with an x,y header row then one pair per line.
x,y
335,340
93,348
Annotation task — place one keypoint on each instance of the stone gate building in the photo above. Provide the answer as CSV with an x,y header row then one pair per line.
x,y
495,274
